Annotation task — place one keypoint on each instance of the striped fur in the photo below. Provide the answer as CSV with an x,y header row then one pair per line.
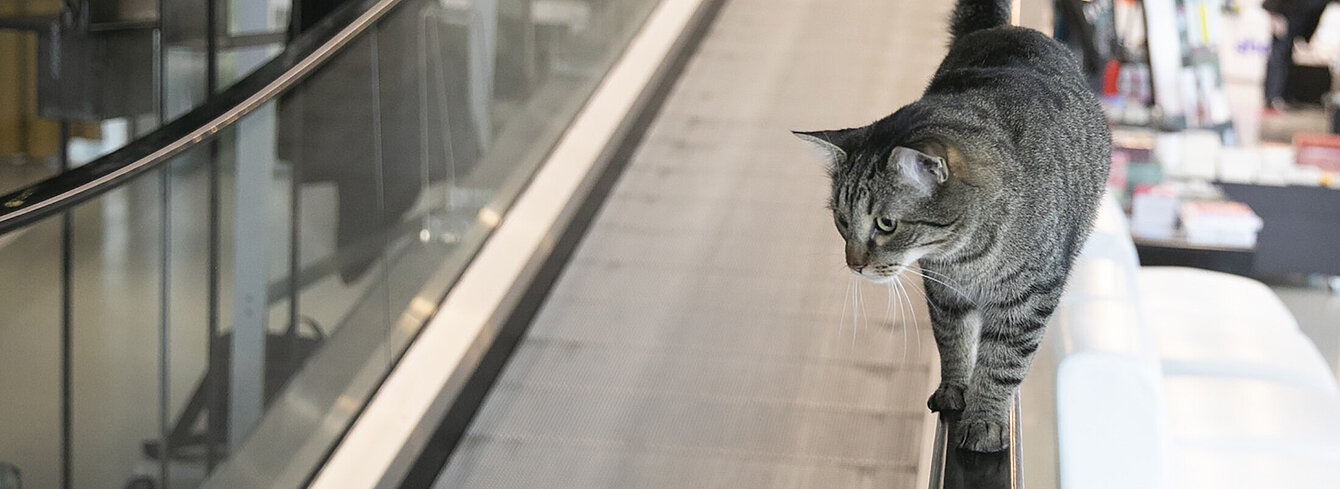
x,y
1027,150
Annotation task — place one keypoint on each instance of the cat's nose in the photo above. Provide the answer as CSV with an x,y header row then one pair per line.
x,y
855,257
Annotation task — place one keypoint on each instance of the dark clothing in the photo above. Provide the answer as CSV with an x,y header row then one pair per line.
x,y
306,13
1277,67
1303,15
1301,18
1087,26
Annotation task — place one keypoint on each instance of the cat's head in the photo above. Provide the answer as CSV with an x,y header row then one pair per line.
x,y
893,202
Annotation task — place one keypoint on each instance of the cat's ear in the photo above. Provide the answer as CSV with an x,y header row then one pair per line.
x,y
835,144
923,171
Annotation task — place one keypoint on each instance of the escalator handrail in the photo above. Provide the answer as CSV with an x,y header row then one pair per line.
x,y
307,53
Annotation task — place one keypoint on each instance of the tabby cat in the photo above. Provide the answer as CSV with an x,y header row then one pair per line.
x,y
990,182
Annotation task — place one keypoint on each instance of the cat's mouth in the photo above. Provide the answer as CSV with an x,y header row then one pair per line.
x,y
881,274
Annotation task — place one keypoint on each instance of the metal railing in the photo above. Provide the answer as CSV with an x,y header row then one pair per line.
x,y
303,57
955,468
191,140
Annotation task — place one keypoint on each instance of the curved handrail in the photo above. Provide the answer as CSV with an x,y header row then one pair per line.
x,y
300,59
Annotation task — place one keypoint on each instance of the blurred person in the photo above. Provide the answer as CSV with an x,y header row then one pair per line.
x,y
1290,20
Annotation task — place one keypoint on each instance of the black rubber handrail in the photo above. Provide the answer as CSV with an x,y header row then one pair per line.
x,y
307,53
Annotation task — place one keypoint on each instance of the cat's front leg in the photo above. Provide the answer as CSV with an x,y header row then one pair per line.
x,y
955,338
1009,337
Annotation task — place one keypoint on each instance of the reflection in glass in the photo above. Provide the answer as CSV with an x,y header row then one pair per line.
x,y
30,345
115,334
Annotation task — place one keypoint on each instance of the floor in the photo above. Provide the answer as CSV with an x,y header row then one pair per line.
x,y
1317,310
702,334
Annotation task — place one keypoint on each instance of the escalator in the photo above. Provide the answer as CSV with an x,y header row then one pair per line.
x,y
484,243
212,304
697,337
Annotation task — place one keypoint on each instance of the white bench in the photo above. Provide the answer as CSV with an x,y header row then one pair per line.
x,y
1182,378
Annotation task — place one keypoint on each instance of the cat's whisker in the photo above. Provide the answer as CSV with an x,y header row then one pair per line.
x,y
855,310
843,317
930,270
902,324
902,317
934,273
939,275
942,279
916,323
927,273
950,287
864,312
888,310
860,301
912,287
855,304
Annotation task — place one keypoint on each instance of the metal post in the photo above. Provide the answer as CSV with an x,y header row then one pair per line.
x,y
379,163
67,325
164,274
256,144
294,240
164,310
255,165
214,386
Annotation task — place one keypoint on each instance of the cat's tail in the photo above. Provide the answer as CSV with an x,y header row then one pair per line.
x,y
974,15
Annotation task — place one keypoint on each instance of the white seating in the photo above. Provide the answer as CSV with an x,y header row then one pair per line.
x,y
1212,294
1228,468
1237,348
1183,378
1248,414
1110,423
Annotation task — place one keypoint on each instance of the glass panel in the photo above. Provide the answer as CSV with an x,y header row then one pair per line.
x,y
333,150
325,346
472,95
30,335
235,64
115,334
192,392
307,244
417,142
185,79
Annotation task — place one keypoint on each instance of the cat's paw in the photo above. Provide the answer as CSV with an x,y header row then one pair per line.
x,y
983,432
949,397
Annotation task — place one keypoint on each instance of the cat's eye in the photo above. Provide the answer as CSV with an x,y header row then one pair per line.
x,y
885,224
842,222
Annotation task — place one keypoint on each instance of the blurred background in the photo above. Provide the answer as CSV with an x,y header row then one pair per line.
x,y
571,243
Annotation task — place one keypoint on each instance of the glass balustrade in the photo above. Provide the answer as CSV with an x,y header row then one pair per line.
x,y
218,319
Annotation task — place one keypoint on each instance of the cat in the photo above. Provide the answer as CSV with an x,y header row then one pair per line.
x,y
991,183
